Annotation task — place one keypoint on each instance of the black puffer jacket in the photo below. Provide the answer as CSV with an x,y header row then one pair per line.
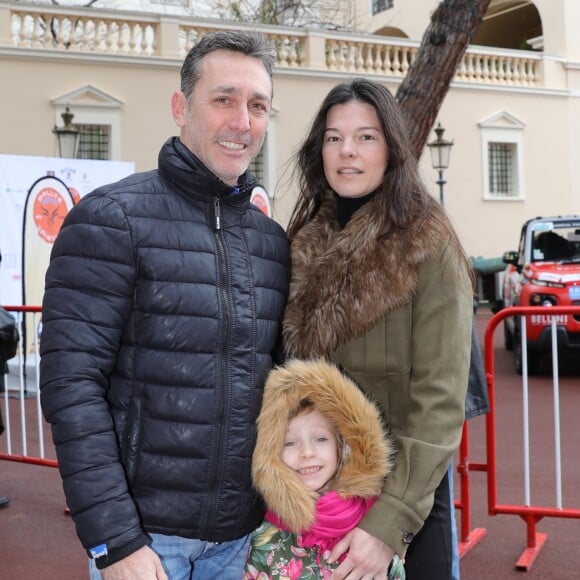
x,y
160,317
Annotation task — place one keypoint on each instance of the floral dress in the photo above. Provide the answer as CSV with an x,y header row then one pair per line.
x,y
279,555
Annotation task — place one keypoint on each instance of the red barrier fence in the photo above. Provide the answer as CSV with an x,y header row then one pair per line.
x,y
531,514
468,538
25,442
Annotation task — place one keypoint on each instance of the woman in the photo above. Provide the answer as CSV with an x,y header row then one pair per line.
x,y
381,286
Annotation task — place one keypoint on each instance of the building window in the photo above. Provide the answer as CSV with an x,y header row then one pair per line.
x,y
502,159
97,115
381,5
257,167
94,142
261,164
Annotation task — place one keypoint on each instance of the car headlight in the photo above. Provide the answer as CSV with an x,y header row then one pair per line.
x,y
538,299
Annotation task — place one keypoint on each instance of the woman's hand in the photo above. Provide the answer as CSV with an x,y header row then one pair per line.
x,y
367,557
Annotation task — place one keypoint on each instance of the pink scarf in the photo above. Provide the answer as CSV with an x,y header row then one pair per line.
x,y
335,517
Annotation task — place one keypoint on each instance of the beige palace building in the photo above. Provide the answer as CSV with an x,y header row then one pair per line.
x,y
512,111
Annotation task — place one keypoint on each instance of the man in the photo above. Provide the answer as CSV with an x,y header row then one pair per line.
x,y
160,317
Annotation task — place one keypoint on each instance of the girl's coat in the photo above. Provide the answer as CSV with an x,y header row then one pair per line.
x,y
367,451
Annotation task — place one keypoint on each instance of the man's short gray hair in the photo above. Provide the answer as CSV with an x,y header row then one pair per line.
x,y
246,42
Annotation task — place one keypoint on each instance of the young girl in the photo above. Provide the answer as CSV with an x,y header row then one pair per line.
x,y
320,459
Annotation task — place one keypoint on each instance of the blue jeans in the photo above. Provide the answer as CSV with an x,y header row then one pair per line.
x,y
185,559
454,538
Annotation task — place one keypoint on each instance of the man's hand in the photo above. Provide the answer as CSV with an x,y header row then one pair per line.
x,y
367,557
144,564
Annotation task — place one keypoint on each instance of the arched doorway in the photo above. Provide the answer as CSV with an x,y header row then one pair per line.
x,y
512,24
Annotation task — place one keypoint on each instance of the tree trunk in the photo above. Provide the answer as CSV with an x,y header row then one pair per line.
x,y
424,87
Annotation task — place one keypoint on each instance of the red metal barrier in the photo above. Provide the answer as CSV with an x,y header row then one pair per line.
x,y
31,460
529,513
20,403
468,538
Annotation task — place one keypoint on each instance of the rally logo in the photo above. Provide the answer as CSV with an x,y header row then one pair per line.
x,y
261,200
49,211
75,195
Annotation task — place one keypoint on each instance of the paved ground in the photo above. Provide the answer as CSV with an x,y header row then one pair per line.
x,y
38,542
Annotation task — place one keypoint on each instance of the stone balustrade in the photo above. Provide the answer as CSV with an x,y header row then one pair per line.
x,y
140,35
89,31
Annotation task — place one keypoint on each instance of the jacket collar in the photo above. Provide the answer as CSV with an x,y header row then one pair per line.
x,y
367,451
193,180
345,281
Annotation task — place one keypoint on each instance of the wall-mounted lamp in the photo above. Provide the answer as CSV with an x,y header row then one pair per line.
x,y
68,136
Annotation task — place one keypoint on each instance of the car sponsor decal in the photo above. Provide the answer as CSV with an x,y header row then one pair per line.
x,y
544,319
553,276
574,292
543,227
549,277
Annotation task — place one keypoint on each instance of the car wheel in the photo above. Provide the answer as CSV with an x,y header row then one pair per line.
x,y
508,337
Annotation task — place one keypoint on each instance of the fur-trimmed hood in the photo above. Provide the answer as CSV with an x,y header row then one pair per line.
x,y
365,464
344,281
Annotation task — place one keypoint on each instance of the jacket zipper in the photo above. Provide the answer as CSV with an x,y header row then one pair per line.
x,y
222,378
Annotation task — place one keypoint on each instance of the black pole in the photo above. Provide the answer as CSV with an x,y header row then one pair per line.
x,y
441,182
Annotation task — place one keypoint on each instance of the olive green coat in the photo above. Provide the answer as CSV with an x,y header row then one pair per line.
x,y
395,313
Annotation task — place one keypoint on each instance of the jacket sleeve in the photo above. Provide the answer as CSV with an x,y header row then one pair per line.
x,y
87,303
477,400
440,347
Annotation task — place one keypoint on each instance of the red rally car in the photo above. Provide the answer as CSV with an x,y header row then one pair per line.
x,y
545,271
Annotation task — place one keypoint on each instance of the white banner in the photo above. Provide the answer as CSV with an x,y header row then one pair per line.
x,y
49,203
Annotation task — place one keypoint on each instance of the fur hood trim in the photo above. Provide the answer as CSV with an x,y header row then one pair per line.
x,y
366,461
344,281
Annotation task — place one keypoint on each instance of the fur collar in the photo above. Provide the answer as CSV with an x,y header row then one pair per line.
x,y
344,281
365,464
